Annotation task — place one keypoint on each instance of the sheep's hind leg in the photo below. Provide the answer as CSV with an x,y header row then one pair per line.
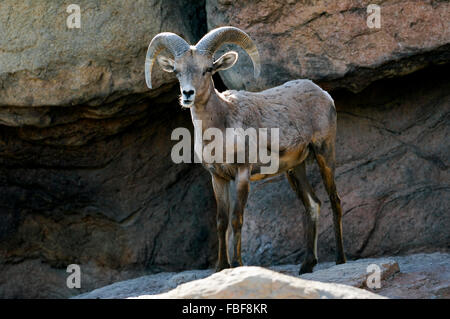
x,y
222,195
237,217
325,157
299,183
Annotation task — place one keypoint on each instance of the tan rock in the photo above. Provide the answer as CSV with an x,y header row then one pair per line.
x,y
43,62
260,283
330,41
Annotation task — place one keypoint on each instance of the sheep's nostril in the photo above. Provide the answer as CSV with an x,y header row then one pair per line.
x,y
188,93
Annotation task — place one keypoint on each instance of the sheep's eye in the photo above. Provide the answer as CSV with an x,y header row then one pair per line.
x,y
208,70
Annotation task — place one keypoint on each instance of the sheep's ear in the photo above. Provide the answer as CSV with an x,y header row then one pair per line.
x,y
165,63
226,61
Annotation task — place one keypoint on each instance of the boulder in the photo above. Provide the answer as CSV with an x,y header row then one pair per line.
x,y
45,63
331,42
260,283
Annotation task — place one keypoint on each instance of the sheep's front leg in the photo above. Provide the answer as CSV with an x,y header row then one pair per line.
x,y
237,217
222,195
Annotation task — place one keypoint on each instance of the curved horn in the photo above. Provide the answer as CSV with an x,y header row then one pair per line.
x,y
166,40
214,39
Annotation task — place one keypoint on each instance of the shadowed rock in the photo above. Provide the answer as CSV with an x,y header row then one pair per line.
x,y
412,276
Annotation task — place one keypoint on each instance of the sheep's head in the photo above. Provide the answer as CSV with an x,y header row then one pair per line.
x,y
194,65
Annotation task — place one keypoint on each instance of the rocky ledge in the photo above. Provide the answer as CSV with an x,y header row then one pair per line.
x,y
413,276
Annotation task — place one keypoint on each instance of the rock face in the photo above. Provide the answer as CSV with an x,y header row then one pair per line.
x,y
113,207
330,41
412,276
85,170
44,63
259,283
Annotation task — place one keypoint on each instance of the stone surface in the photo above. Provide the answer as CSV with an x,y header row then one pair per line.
x,y
411,276
421,276
330,42
44,63
260,283
145,285
353,273
117,207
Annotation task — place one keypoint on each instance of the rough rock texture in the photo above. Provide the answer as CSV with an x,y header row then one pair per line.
x,y
145,285
259,283
353,273
330,42
413,276
117,207
43,62
85,169
421,276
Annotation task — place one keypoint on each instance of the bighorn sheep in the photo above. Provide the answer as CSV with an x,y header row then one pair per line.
x,y
304,113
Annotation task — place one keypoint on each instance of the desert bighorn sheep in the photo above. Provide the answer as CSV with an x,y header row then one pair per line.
x,y
304,113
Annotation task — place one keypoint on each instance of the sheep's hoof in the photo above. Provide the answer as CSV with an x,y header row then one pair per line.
x,y
307,266
305,269
222,266
340,261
